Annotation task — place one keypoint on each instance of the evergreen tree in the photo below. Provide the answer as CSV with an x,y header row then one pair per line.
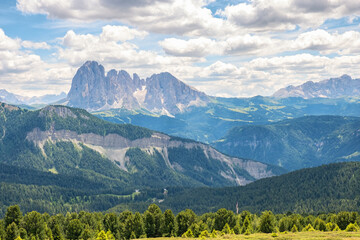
x,y
343,220
308,228
153,221
13,214
138,225
320,224
88,233
222,217
184,220
57,234
111,222
294,229
74,229
12,231
188,234
23,233
34,225
168,228
267,222
247,226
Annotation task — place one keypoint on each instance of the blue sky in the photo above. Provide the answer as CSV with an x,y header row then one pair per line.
x,y
224,48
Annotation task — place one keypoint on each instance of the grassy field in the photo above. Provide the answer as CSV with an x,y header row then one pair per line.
x,y
288,236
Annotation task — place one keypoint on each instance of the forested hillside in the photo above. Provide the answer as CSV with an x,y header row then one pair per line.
x,y
328,188
297,143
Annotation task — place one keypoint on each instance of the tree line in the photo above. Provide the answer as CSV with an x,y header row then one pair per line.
x,y
155,223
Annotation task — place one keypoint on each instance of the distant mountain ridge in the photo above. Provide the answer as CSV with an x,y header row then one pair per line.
x,y
344,86
16,99
162,93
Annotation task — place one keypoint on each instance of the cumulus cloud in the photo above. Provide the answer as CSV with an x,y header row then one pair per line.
x,y
237,45
162,16
24,72
35,45
325,42
279,15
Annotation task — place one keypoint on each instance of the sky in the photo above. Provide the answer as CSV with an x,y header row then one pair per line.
x,y
234,48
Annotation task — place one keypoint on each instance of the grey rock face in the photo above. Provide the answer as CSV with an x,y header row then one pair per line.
x,y
162,93
344,86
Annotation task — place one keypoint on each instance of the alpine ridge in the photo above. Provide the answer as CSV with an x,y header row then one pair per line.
x,y
344,86
162,93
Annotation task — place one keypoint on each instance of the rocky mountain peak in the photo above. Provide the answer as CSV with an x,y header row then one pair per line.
x,y
343,86
162,93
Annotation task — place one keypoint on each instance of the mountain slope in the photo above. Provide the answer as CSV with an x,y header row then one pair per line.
x,y
64,140
297,143
162,93
344,86
328,188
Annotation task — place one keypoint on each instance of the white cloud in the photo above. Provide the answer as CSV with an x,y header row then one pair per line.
x,y
325,42
279,15
7,43
163,16
237,45
120,33
24,72
199,47
35,45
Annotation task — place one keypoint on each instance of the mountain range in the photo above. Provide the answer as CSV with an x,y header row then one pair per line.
x,y
344,86
11,98
161,93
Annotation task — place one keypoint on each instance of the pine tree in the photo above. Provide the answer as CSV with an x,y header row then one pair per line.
x,y
12,231
74,229
247,226
267,222
13,214
138,225
57,234
294,229
168,228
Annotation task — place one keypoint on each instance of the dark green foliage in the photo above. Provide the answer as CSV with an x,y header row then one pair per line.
x,y
320,224
34,225
153,221
111,222
223,217
168,228
13,214
138,225
332,187
12,231
56,232
74,229
184,220
267,222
